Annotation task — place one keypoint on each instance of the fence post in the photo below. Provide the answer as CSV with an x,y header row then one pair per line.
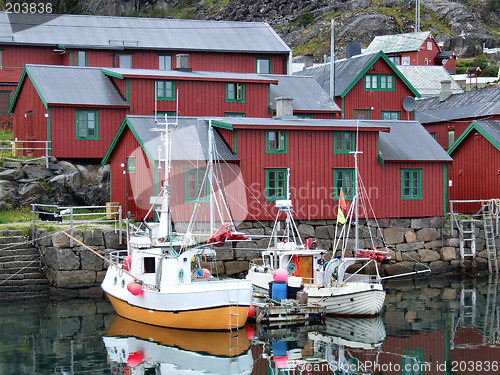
x,y
46,154
120,224
71,226
452,216
33,209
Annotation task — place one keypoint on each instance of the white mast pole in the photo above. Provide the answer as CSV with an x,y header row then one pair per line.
x,y
210,176
332,60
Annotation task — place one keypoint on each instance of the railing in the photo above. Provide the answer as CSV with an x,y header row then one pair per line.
x,y
77,215
456,215
18,148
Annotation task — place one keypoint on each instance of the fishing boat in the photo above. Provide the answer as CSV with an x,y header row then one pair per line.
x,y
160,281
139,348
327,283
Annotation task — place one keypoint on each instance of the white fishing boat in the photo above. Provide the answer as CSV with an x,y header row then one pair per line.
x,y
160,281
138,348
327,283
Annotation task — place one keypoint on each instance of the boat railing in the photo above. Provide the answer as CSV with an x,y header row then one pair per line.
x,y
117,256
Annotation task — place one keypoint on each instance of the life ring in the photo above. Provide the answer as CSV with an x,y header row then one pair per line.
x,y
291,268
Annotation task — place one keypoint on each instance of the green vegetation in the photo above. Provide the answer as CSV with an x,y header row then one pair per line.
x,y
305,18
16,216
488,69
493,5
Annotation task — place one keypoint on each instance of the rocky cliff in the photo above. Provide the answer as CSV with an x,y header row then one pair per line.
x,y
461,25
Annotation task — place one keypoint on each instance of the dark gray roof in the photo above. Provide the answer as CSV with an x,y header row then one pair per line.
x,y
307,94
444,55
398,43
470,104
408,140
346,71
74,85
82,31
189,141
191,75
299,122
492,128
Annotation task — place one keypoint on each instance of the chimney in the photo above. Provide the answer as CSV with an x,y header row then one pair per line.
x,y
353,48
183,62
284,107
445,90
308,60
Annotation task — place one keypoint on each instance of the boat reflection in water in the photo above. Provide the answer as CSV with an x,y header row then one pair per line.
x,y
337,345
136,348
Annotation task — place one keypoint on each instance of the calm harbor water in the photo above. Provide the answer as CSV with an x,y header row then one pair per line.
x,y
428,326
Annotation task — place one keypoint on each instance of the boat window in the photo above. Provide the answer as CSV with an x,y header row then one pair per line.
x,y
149,265
267,261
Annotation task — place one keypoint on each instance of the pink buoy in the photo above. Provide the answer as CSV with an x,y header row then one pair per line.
x,y
135,359
136,289
129,286
250,332
206,273
127,263
251,311
280,275
281,361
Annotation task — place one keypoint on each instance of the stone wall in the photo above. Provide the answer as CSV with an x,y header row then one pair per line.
x,y
412,244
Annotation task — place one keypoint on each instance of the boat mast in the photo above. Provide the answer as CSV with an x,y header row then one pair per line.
x,y
356,200
211,176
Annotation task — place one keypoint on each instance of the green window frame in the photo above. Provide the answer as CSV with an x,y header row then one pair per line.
x,y
193,181
343,142
276,142
264,65
343,178
87,125
451,137
165,90
131,165
411,184
276,188
235,92
234,114
362,114
82,58
165,62
379,82
433,135
124,60
305,116
391,115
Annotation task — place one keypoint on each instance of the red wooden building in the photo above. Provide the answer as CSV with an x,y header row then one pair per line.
x,y
403,168
141,43
367,86
418,48
447,117
475,171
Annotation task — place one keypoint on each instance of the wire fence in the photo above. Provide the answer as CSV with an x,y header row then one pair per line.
x,y
110,214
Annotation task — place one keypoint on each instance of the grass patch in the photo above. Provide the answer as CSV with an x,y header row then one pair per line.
x,y
6,134
16,216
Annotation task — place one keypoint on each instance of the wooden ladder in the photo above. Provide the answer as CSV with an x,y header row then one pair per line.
x,y
489,235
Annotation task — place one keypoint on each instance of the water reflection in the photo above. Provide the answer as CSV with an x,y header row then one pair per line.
x,y
428,326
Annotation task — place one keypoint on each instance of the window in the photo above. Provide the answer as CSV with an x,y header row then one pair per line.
x,y
235,92
193,183
4,101
81,58
86,125
305,116
391,115
124,61
433,135
343,179
1,58
396,60
276,184
234,114
362,114
130,165
429,46
165,90
263,65
426,61
411,184
405,60
451,137
276,142
379,82
165,62
343,142
160,115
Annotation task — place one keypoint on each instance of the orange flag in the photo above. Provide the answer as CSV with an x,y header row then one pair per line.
x,y
342,202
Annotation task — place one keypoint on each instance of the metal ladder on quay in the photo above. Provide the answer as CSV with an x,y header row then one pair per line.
x,y
491,329
467,235
487,208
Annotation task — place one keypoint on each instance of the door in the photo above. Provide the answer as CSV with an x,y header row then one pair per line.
x,y
306,270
